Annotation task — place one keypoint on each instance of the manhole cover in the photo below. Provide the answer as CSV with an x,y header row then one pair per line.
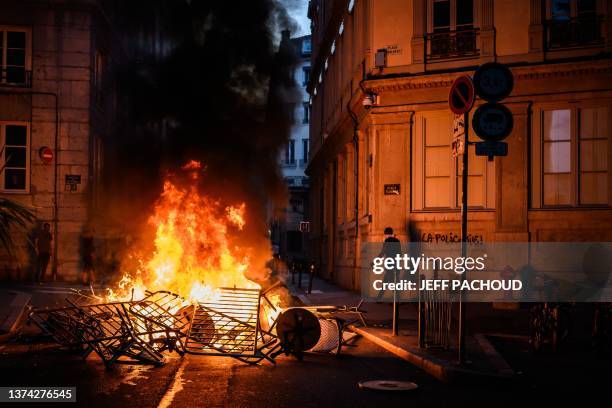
x,y
385,385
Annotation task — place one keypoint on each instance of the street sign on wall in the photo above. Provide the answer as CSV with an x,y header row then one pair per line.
x,y
305,226
46,154
493,82
462,95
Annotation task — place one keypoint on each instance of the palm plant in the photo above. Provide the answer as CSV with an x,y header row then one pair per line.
x,y
14,217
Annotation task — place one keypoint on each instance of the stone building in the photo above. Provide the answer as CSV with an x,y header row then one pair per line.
x,y
403,55
294,159
56,98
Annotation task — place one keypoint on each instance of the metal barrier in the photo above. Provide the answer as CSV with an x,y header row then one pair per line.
x,y
230,325
435,318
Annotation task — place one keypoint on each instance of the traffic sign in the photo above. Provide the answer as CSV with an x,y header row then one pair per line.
x,y
458,145
493,122
45,154
305,226
491,149
493,81
462,95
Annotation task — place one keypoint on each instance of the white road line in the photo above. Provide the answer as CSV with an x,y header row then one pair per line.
x,y
175,387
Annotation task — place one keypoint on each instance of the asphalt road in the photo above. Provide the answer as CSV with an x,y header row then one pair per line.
x,y
318,381
198,381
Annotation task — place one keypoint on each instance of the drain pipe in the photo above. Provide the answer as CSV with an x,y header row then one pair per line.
x,y
356,175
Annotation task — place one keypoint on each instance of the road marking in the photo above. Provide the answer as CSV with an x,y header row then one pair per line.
x,y
175,387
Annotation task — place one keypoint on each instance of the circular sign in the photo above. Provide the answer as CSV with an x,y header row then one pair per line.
x,y
493,81
461,96
46,154
492,122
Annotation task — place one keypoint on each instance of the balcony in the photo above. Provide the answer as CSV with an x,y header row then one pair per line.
x,y
15,77
452,44
574,32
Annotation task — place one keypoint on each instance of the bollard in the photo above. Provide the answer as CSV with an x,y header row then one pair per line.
x,y
300,276
312,269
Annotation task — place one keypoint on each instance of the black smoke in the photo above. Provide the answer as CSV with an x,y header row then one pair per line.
x,y
215,87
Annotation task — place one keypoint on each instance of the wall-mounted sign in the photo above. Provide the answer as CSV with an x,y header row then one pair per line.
x,y
393,49
305,226
72,180
392,189
46,154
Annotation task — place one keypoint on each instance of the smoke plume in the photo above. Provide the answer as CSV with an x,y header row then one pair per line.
x,y
215,87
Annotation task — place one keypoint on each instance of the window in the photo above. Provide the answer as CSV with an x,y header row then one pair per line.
x,y
306,75
15,160
290,152
572,23
571,157
14,57
452,32
306,117
305,144
306,47
351,6
437,174
557,170
452,15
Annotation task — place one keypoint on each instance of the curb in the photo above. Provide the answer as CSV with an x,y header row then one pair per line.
x,y
440,369
17,311
430,365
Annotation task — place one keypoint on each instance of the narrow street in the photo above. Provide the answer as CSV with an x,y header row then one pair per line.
x,y
197,381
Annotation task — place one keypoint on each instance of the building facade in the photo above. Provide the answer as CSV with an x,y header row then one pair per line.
x,y
294,159
381,128
58,106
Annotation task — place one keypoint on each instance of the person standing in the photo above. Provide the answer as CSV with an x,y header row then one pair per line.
x,y
43,251
391,247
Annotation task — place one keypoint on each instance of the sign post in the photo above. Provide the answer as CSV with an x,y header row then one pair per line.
x,y
464,216
461,100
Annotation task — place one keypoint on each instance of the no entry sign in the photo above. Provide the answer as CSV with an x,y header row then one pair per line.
x,y
46,154
461,96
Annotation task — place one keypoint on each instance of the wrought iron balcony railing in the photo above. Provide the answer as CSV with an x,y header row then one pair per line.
x,y
574,32
15,77
452,44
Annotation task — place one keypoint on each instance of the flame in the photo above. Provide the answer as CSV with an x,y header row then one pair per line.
x,y
193,253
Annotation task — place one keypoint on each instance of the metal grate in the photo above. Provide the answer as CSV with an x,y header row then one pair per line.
x,y
162,318
229,325
121,331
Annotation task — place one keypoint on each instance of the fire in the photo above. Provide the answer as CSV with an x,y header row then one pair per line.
x,y
193,253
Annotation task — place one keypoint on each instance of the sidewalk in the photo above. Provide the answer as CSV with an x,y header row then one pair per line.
x,y
14,307
484,362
